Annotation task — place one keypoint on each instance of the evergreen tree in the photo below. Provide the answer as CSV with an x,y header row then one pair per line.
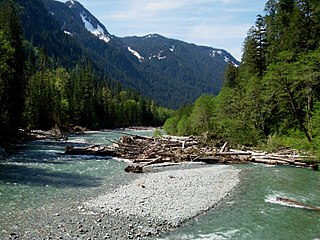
x,y
12,77
230,75
254,51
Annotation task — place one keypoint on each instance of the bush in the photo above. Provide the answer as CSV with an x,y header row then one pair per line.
x,y
170,126
184,126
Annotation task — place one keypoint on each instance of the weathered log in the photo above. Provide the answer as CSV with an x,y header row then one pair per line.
x,y
135,168
91,150
138,168
269,161
209,160
293,202
223,148
233,153
154,161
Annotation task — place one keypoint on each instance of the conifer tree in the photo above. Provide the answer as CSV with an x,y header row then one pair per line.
x,y
230,75
13,81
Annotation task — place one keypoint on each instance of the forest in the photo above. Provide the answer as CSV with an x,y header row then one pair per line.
x,y
272,99
36,92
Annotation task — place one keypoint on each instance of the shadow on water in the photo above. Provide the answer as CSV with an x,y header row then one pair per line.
x,y
15,174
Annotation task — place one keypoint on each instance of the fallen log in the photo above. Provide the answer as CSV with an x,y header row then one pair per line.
x,y
296,203
138,168
209,160
91,150
233,153
223,148
135,168
270,161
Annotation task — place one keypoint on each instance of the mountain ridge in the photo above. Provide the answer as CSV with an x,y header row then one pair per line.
x,y
170,71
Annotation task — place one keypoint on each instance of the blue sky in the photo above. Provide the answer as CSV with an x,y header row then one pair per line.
x,y
215,23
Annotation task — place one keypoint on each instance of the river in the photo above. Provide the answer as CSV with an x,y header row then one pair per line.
x,y
34,176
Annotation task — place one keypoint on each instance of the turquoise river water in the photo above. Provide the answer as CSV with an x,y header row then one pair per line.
x,y
33,175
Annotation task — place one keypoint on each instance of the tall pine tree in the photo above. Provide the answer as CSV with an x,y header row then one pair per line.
x,y
12,81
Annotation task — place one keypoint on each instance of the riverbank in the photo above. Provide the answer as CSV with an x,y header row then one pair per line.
x,y
141,207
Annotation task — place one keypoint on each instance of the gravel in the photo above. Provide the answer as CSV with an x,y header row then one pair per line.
x,y
149,205
165,200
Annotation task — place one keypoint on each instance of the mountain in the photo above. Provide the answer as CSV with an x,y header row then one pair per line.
x,y
171,72
40,29
105,50
186,69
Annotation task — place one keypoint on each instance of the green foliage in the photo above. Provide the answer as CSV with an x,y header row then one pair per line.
x,y
278,82
48,95
170,126
200,118
272,99
294,140
157,133
12,81
57,97
230,75
184,127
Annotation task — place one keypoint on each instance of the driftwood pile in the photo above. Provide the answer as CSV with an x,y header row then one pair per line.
x,y
96,150
145,151
148,151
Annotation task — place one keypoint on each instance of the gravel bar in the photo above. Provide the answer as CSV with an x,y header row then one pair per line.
x,y
164,200
142,207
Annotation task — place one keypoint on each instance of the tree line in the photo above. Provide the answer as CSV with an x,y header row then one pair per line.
x,y
38,93
273,97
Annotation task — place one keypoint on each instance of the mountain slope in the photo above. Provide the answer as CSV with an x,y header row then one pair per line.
x,y
195,69
42,31
171,72
104,49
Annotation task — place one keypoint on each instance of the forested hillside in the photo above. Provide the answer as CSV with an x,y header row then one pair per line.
x,y
274,96
37,92
177,71
172,78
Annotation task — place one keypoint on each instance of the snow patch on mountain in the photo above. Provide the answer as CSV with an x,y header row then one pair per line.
x,y
151,36
172,48
98,32
158,56
226,59
215,52
68,33
72,3
135,53
161,57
